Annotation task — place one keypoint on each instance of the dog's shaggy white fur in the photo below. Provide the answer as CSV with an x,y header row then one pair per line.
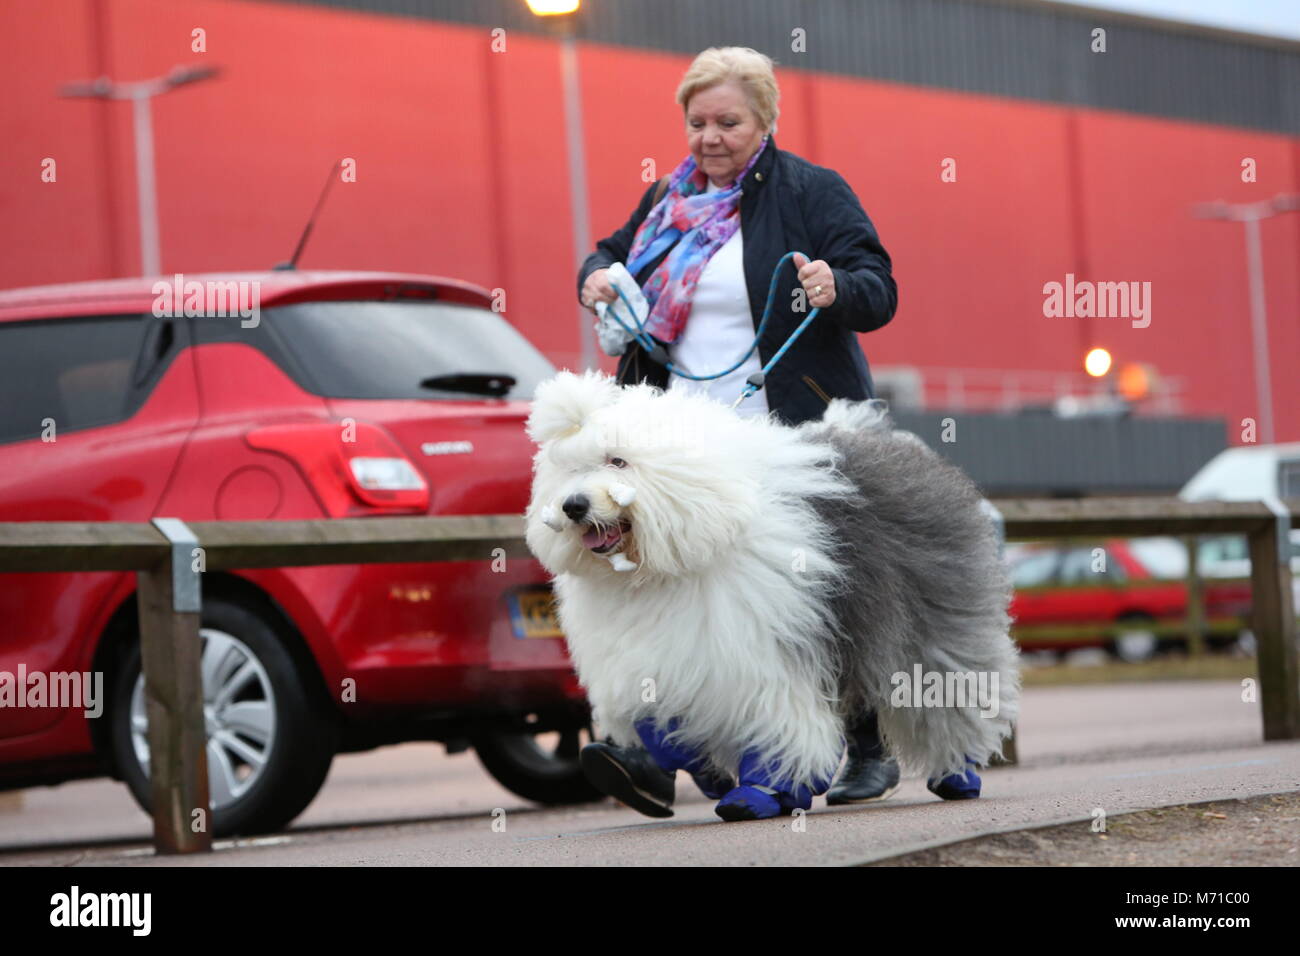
x,y
761,583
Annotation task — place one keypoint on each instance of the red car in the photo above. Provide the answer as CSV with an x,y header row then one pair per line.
x,y
339,395
1127,595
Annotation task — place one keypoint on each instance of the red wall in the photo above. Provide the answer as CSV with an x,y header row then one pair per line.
x,y
462,171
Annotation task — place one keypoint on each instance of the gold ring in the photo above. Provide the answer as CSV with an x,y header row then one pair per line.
x,y
817,291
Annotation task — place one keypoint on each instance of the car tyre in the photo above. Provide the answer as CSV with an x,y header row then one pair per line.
x,y
534,770
270,740
1135,640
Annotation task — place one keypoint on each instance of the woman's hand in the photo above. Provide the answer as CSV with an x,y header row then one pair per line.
x,y
817,280
597,289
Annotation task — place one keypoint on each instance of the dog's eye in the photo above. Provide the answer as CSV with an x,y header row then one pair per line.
x,y
616,462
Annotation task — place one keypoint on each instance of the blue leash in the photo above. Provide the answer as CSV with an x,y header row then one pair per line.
x,y
752,384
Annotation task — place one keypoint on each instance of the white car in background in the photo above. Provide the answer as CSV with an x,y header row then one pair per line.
x,y
1245,473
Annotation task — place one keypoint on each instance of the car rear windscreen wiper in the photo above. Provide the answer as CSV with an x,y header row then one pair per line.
x,y
492,384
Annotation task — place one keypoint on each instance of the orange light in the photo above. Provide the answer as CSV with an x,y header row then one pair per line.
x,y
551,8
1136,381
1097,363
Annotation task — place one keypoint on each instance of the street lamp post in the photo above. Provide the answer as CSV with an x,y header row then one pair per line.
x,y
561,14
577,181
1249,215
140,93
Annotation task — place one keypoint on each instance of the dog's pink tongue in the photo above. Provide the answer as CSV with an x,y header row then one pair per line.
x,y
595,538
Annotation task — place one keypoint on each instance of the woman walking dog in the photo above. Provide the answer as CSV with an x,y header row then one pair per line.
x,y
703,244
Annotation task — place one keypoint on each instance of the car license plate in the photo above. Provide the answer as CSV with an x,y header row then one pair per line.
x,y
532,613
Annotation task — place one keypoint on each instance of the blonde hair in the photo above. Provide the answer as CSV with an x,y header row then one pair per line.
x,y
749,68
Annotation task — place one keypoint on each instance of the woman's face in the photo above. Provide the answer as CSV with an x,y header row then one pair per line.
x,y
722,132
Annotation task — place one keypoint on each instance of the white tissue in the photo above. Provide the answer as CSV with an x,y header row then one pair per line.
x,y
613,337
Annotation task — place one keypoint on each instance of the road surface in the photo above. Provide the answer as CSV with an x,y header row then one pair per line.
x,y
1115,747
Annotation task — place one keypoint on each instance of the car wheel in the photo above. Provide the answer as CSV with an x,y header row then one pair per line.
x,y
543,768
1135,640
269,742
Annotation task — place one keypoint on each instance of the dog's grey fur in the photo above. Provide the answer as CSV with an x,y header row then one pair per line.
x,y
929,586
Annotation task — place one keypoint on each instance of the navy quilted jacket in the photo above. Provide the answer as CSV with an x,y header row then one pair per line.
x,y
786,204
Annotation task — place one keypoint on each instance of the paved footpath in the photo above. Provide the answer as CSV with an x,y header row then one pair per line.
x,y
1117,747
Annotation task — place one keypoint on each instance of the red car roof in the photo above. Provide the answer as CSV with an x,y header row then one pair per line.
x,y
115,296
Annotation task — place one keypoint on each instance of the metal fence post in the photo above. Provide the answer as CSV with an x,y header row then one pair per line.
x,y
169,602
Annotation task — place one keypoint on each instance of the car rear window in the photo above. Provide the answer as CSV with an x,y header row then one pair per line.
x,y
1162,557
74,372
1034,568
378,350
1288,478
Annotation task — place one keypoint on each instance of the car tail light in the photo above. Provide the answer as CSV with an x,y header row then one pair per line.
x,y
353,467
386,474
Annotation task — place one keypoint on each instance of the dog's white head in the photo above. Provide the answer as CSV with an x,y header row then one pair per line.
x,y
637,479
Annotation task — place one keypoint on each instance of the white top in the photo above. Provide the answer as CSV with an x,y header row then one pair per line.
x,y
719,328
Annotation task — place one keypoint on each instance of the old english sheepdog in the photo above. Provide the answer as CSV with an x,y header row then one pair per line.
x,y
733,589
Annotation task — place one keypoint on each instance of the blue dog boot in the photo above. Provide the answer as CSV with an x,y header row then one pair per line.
x,y
750,802
669,757
678,756
760,797
957,786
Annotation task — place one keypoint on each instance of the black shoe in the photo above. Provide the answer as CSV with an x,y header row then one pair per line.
x,y
864,779
869,773
629,775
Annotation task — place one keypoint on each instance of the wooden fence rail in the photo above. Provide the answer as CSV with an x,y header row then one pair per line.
x,y
169,558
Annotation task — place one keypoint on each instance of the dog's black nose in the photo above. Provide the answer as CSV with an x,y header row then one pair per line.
x,y
575,506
